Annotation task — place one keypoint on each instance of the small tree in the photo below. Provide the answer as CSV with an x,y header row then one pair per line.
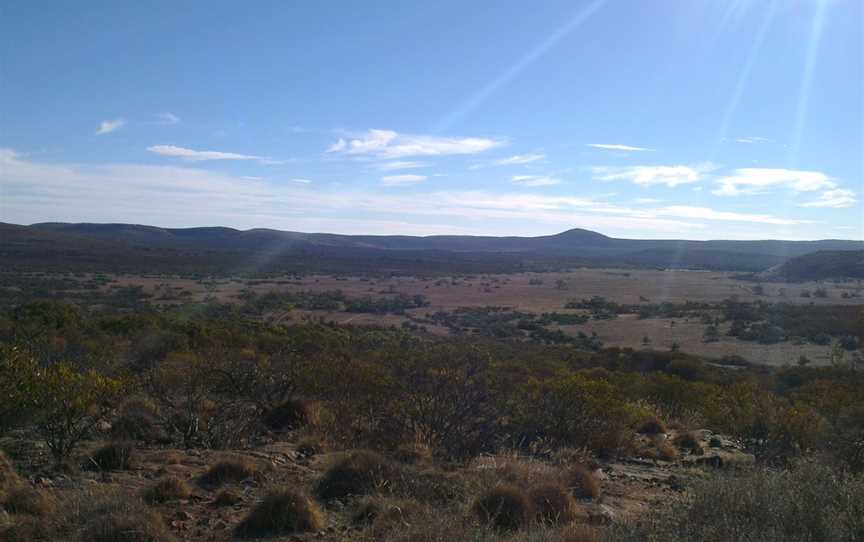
x,y
18,372
70,403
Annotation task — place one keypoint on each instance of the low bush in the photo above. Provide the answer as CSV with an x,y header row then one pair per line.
x,y
552,503
809,502
282,512
168,489
229,470
361,472
504,507
114,456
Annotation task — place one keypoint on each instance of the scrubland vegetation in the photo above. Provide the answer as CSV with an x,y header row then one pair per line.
x,y
116,417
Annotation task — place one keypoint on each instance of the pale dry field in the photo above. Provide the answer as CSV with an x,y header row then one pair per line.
x,y
548,292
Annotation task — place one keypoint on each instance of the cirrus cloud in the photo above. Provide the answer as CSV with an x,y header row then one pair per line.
x,y
387,144
108,126
748,181
670,176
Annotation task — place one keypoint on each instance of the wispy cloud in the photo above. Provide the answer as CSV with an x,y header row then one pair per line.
x,y
652,175
189,196
534,180
617,147
706,213
301,181
191,155
520,159
394,166
748,181
167,118
839,198
402,180
752,139
387,144
108,126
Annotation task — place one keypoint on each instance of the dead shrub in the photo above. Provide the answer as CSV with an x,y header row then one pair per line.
x,y
282,512
114,456
361,472
582,482
552,503
30,501
229,470
167,489
291,415
504,507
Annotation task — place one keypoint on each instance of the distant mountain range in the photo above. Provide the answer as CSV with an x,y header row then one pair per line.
x,y
225,249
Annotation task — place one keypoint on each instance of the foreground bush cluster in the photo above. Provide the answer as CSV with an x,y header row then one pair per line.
x,y
403,407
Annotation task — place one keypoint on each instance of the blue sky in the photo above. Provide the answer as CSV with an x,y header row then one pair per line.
x,y
700,119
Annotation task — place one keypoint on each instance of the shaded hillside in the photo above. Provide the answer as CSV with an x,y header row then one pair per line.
x,y
821,265
223,250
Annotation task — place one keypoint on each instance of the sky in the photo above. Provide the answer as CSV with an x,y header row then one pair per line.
x,y
697,119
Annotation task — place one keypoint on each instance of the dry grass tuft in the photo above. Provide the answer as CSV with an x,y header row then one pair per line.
x,y
120,519
114,456
229,470
30,501
581,533
552,503
582,483
504,507
9,479
282,512
361,472
167,489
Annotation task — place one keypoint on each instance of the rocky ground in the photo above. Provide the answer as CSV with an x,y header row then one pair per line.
x,y
211,511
